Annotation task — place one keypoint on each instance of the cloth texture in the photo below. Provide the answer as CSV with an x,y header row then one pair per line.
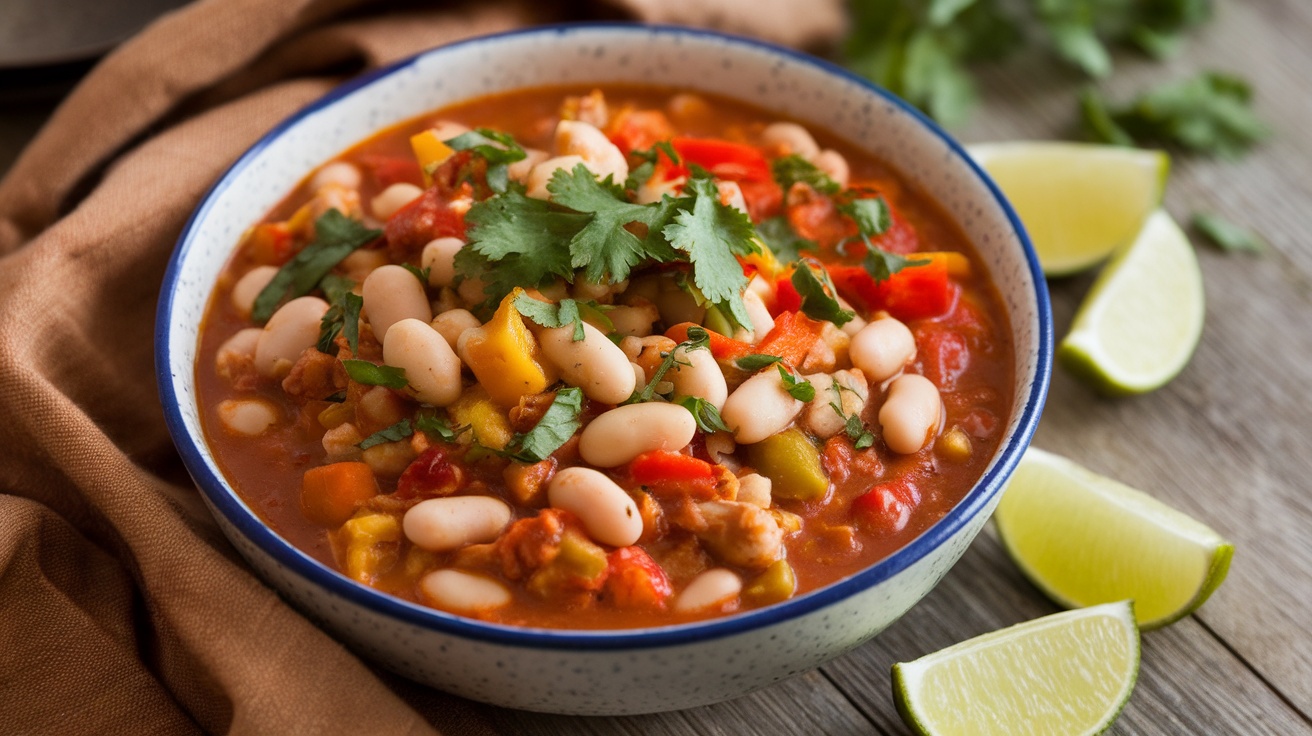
x,y
122,607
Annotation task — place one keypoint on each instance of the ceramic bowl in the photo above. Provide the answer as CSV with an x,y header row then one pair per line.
x,y
627,671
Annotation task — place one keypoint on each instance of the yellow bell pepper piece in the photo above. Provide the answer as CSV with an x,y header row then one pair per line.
x,y
430,151
505,357
371,545
488,421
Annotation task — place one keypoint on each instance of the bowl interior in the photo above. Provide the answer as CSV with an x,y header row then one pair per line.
x,y
780,80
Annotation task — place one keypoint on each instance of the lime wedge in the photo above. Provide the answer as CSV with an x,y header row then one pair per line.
x,y
1068,673
1085,539
1142,319
1078,201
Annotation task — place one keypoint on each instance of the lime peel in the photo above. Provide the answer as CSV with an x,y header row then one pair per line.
x,y
1085,539
1069,673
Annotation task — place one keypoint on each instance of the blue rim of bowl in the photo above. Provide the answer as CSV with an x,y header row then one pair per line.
x,y
223,499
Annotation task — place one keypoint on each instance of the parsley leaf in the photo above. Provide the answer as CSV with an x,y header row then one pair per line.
x,y
814,286
522,237
800,390
336,236
394,433
604,247
704,412
712,234
1210,114
780,238
556,426
698,339
552,315
788,170
343,317
371,374
333,286
1228,236
872,215
756,361
440,426
497,148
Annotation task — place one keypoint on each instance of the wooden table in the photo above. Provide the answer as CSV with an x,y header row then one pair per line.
x,y
1229,441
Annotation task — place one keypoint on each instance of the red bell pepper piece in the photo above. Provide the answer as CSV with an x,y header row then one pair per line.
x,y
659,467
914,292
887,507
786,298
793,336
635,580
723,348
724,159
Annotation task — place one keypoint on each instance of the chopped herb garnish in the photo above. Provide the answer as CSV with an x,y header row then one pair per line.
x,y
556,426
712,234
343,317
333,286
881,264
704,412
814,286
595,313
872,215
1228,236
852,424
552,315
604,247
440,426
756,361
698,339
497,148
394,433
336,236
420,273
788,170
371,374
780,237
800,390
643,171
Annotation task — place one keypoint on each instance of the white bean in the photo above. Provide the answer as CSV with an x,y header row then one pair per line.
x,y
575,137
451,323
697,374
240,344
634,319
431,366
617,436
712,589
391,294
760,407
910,414
882,348
249,286
755,489
337,173
520,169
846,389
247,417
392,199
639,375
832,163
607,512
854,325
762,322
540,175
445,130
791,136
594,364
763,289
291,329
444,524
731,195
462,592
439,257
360,263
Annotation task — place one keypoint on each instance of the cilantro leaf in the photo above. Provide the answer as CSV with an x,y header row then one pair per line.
x,y
343,317
881,264
712,234
604,246
704,412
394,433
371,374
556,426
780,238
815,291
497,148
433,424
522,237
800,390
1228,236
419,273
698,339
872,215
756,361
639,174
336,236
788,170
552,315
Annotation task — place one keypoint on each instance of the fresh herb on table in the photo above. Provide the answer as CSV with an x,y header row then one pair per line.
x,y
557,425
551,315
336,236
372,374
1228,236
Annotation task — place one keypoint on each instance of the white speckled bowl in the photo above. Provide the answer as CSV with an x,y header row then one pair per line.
x,y
604,672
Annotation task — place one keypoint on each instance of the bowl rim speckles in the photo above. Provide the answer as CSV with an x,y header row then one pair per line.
x,y
177,322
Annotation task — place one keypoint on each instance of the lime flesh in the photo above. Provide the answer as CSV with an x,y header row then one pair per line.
x,y
1068,673
1078,201
1086,539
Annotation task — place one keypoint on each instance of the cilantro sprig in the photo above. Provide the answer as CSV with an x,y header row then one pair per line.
x,y
799,389
336,236
550,315
497,148
790,169
816,289
557,425
372,374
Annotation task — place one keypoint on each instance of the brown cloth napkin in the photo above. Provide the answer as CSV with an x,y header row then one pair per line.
x,y
122,608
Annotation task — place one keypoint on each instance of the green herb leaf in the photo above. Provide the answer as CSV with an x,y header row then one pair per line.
x,y
419,273
780,238
552,315
343,317
698,339
881,264
394,433
814,286
872,215
756,361
1074,35
788,170
370,374
800,390
641,173
499,149
704,412
1228,236
712,234
334,286
439,426
605,248
336,236
556,426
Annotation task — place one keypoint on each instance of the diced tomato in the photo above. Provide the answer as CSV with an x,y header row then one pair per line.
x,y
914,292
786,298
886,507
764,198
433,473
840,459
723,348
816,217
791,338
389,170
639,130
725,159
431,215
944,355
900,237
635,580
673,474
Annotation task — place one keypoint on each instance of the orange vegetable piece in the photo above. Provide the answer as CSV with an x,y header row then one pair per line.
x,y
331,493
793,336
